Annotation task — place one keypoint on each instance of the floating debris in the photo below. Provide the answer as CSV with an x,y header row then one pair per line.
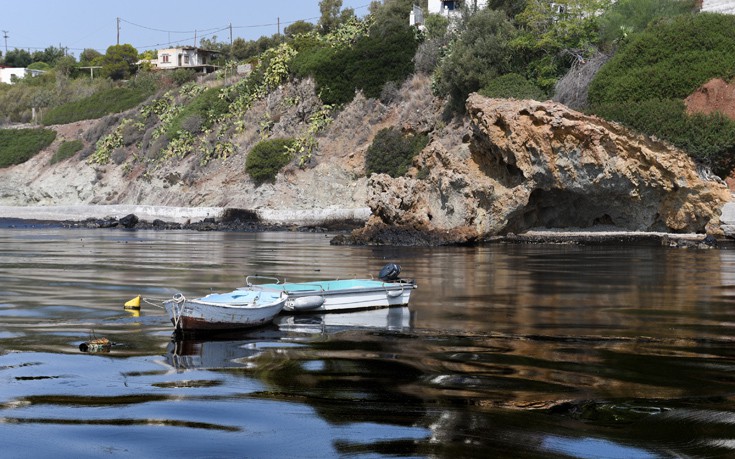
x,y
96,345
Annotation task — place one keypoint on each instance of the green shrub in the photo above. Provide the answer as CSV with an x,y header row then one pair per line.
x,y
386,54
105,102
644,84
198,114
67,149
479,54
392,152
512,85
267,158
670,59
19,145
709,139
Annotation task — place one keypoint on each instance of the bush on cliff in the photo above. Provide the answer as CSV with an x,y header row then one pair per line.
x,y
105,102
267,158
670,59
19,145
198,114
512,85
66,150
481,53
644,84
709,139
392,152
384,55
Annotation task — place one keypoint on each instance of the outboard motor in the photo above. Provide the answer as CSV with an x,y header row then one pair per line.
x,y
389,272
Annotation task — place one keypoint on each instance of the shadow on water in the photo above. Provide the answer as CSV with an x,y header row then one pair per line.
x,y
505,351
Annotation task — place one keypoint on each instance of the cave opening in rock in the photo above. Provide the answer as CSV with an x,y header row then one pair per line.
x,y
567,209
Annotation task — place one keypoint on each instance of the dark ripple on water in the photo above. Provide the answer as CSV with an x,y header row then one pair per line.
x,y
505,351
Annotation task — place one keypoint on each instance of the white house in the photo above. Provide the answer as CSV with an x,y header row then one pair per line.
x,y
10,74
449,7
718,6
186,57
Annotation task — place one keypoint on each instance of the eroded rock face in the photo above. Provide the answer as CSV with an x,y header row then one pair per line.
x,y
528,164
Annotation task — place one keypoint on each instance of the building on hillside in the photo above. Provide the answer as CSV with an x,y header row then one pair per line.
x,y
449,7
717,6
186,57
10,74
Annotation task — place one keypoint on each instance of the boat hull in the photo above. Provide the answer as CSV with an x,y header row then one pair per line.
x,y
204,314
340,296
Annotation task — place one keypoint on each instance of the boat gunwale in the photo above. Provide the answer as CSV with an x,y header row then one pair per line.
x,y
384,286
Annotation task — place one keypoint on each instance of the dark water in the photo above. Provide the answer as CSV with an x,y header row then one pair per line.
x,y
505,351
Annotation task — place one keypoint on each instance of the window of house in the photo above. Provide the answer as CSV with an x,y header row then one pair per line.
x,y
164,58
186,59
450,5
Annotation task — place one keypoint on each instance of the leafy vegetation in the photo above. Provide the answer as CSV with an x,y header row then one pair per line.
x,y
105,102
360,60
66,150
512,48
669,60
644,84
200,113
19,145
512,85
625,18
392,152
267,158
119,62
708,138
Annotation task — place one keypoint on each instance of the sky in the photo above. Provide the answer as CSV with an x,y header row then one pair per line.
x,y
147,24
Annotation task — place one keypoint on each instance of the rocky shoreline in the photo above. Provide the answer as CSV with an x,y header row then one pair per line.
x,y
173,218
241,220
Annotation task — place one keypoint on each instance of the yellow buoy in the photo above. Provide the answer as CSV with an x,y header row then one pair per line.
x,y
134,303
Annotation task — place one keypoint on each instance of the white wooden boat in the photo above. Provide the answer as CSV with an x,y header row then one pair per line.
x,y
339,294
224,311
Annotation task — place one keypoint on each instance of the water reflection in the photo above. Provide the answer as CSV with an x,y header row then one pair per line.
x,y
504,351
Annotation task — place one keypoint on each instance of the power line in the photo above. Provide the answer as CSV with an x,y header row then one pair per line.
x,y
169,31
193,33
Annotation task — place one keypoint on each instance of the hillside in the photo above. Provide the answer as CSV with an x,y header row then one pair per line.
x,y
334,179
323,126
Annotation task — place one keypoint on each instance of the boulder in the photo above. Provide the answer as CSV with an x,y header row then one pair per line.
x,y
526,164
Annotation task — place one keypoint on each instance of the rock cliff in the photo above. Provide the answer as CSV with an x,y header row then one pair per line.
x,y
524,164
506,167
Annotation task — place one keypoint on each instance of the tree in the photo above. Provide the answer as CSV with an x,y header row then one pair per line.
x,y
18,58
555,35
511,7
49,55
298,28
331,16
243,49
119,62
481,53
66,65
89,57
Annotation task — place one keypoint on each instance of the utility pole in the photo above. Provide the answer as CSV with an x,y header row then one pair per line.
x,y
230,34
5,36
118,31
279,28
